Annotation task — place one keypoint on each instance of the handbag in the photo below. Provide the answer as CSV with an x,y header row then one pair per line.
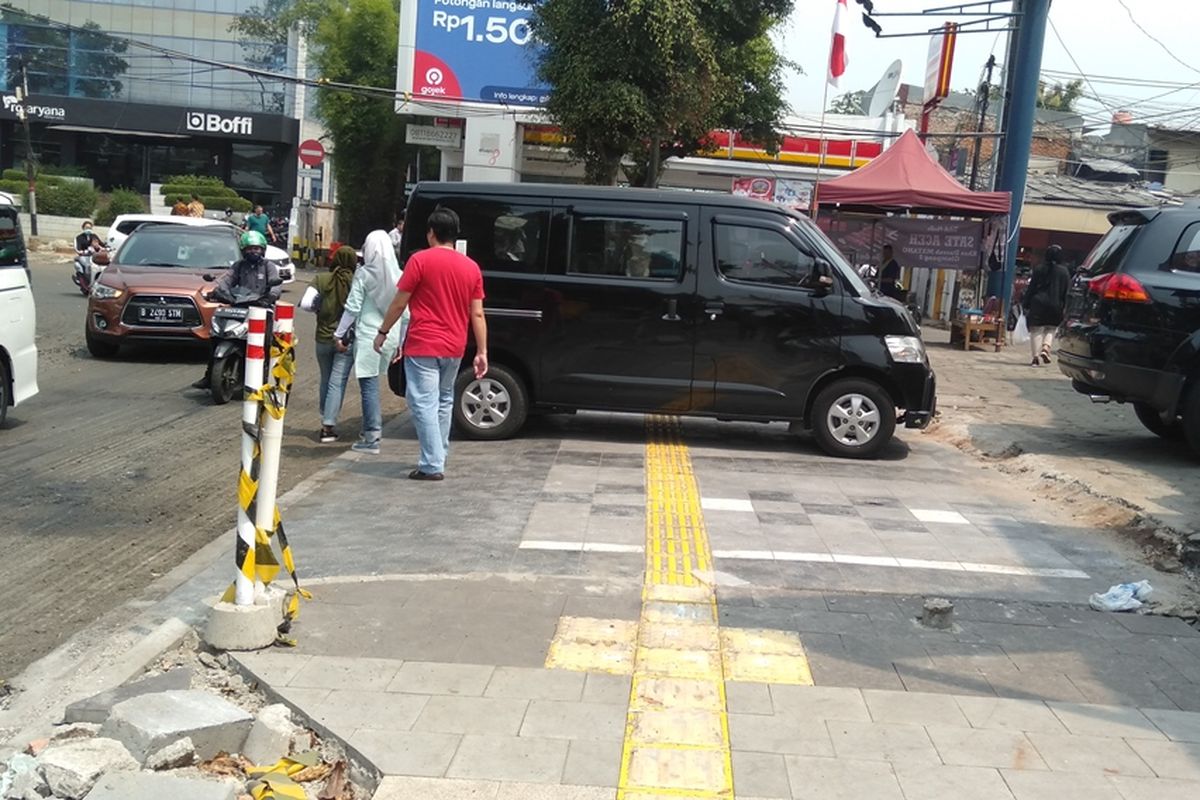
x,y
395,375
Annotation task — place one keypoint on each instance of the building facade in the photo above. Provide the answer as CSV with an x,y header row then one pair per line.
x,y
129,115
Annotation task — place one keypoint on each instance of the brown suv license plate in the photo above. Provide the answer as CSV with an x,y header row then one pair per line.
x,y
159,314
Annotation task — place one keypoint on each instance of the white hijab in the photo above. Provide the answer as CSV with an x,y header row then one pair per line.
x,y
381,270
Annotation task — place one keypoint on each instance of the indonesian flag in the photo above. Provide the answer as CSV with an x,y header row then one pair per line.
x,y
837,53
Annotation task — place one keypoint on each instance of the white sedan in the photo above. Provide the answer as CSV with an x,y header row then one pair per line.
x,y
126,224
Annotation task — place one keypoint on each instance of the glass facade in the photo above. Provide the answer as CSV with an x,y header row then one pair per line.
x,y
78,63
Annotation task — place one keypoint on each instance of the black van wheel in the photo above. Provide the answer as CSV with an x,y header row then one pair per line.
x,y
5,399
1154,423
492,407
1191,417
853,418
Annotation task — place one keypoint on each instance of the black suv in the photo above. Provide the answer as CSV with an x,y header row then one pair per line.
x,y
1132,327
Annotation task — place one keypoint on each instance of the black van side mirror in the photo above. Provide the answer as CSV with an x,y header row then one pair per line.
x,y
820,279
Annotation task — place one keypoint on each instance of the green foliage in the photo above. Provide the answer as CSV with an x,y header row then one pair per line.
x,y
95,65
849,103
121,201
355,42
193,181
1059,96
262,31
208,190
66,199
212,203
649,79
12,186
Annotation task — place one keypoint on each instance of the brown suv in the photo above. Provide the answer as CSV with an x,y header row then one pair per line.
x,y
152,289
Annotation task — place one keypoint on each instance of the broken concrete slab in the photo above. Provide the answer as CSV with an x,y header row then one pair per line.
x,y
173,756
96,709
270,737
22,779
72,768
149,723
152,786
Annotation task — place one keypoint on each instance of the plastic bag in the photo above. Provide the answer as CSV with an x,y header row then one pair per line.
x,y
1122,597
311,301
1021,332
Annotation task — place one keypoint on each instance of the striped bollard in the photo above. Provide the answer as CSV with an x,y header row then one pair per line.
x,y
271,435
254,373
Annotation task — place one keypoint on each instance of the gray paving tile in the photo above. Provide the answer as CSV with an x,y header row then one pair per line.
x,y
819,703
875,741
1059,786
405,752
593,762
830,510
999,713
555,719
833,670
1156,626
951,783
599,687
336,672
841,779
792,735
405,788
773,496
345,711
272,667
1113,722
918,677
482,715
1036,685
610,607
913,708
1089,754
1179,726
1184,694
759,774
531,683
790,519
1157,788
970,747
417,677
509,758
748,698
1179,760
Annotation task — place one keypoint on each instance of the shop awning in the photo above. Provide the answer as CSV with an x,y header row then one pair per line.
x,y
906,178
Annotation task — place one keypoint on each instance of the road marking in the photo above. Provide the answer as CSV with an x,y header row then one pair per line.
x,y
943,517
581,547
726,504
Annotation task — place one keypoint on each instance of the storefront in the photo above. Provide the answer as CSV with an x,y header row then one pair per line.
x,y
134,145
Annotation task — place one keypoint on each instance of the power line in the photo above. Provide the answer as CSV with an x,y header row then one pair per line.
x,y
1071,56
1154,38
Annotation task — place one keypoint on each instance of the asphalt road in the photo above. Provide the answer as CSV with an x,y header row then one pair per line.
x,y
118,471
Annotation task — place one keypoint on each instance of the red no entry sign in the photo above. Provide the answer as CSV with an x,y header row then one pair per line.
x,y
311,152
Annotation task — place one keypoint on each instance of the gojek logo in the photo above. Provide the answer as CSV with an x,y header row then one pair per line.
x,y
218,123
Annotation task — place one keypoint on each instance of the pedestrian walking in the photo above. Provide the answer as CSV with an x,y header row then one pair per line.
x,y
180,209
258,221
327,295
195,208
1043,303
443,290
370,295
397,233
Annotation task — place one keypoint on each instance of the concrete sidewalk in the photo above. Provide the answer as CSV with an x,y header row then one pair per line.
x,y
608,608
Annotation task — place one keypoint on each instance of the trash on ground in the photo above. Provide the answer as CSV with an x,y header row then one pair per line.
x,y
1122,597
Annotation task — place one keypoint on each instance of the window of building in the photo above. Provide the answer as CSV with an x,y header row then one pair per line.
x,y
758,255
629,248
1186,257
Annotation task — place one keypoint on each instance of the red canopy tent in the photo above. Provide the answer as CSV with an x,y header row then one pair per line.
x,y
905,177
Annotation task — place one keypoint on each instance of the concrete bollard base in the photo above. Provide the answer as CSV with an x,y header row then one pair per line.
x,y
234,627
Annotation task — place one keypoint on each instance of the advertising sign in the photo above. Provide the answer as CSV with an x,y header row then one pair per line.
x,y
433,136
917,242
473,51
940,63
790,194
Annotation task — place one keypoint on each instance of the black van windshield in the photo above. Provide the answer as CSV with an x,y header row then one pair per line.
x,y
807,230
1108,253
12,249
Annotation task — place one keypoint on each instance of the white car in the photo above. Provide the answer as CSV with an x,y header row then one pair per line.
x,y
18,351
126,224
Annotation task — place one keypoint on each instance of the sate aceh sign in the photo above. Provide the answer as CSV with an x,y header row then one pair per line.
x,y
117,116
469,51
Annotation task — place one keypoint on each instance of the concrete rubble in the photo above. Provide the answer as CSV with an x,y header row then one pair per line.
x,y
72,769
270,737
149,723
97,708
175,755
23,780
151,786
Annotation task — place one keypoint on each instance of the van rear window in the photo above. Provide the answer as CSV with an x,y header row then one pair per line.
x,y
1110,251
12,247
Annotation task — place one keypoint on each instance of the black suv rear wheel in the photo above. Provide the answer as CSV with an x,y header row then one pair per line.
x,y
1154,423
1191,417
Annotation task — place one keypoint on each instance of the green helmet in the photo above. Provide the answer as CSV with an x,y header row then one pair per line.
x,y
253,239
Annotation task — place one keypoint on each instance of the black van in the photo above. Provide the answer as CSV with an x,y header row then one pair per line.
x,y
676,302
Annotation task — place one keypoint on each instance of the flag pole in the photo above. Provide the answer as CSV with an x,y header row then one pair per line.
x,y
824,104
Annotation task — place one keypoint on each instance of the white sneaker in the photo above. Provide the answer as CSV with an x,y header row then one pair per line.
x,y
362,446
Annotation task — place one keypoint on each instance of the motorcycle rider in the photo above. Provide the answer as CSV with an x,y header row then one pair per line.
x,y
87,244
253,274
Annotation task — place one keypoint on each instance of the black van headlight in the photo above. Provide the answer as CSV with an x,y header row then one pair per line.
x,y
906,349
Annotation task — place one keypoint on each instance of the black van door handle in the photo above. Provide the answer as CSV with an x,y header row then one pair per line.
x,y
714,310
672,314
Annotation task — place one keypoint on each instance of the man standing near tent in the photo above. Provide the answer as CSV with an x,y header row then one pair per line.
x,y
889,275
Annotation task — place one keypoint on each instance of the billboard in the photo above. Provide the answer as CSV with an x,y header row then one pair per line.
x,y
790,194
475,52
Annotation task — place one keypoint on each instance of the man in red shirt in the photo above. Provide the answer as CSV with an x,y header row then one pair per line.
x,y
443,290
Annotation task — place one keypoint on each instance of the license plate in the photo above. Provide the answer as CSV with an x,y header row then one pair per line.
x,y
160,314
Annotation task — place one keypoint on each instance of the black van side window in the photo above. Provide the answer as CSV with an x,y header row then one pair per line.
x,y
1186,257
757,255
12,248
627,248
501,236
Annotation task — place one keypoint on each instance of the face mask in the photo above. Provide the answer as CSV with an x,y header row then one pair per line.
x,y
252,257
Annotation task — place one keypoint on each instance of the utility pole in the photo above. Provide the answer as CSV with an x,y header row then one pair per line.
x,y
985,92
1025,67
30,168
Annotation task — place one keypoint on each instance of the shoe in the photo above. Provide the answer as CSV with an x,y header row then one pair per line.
x,y
203,383
327,434
1035,363
1045,358
417,475
366,447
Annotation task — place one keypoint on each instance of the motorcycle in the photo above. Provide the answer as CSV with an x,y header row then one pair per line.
x,y
85,271
229,328
871,276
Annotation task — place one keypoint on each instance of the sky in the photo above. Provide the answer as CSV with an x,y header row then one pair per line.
x,y
1097,33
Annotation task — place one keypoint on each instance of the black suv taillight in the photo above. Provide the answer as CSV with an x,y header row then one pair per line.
x,y
1119,287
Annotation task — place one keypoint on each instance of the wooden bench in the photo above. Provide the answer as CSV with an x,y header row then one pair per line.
x,y
978,333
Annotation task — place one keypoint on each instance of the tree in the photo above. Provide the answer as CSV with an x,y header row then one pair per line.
x,y
848,103
97,63
650,79
1059,96
81,63
263,32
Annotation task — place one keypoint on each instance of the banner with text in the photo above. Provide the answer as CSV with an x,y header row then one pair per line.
x,y
790,194
478,51
917,242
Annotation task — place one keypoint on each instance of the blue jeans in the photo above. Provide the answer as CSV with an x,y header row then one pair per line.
x,y
430,396
326,353
368,388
